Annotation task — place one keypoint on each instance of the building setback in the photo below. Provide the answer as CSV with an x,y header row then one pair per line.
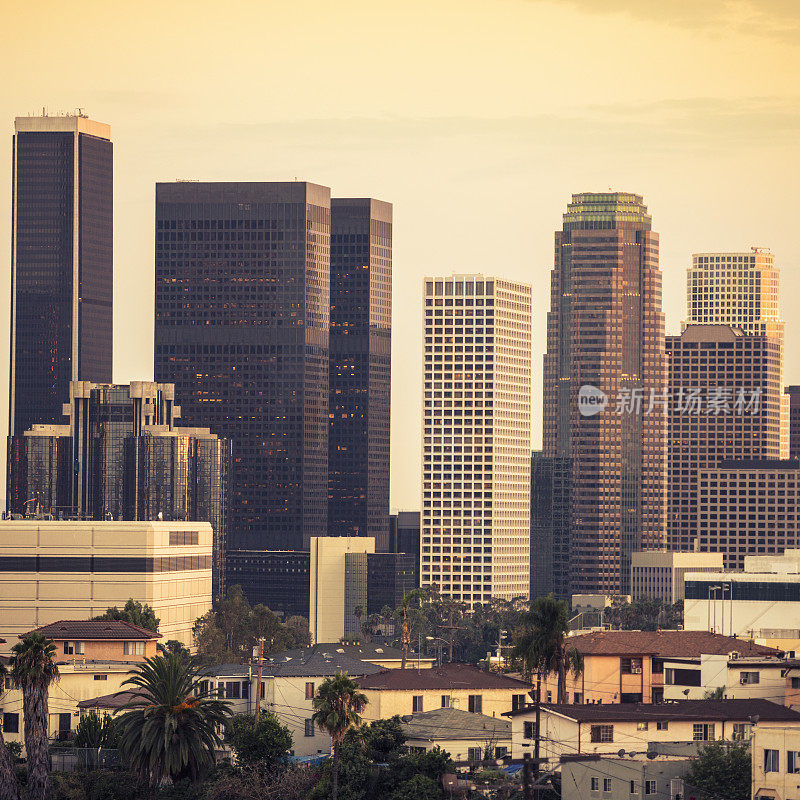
x,y
61,263
360,369
605,330
242,309
475,532
725,389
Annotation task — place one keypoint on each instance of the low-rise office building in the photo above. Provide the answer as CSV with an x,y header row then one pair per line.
x,y
51,570
657,574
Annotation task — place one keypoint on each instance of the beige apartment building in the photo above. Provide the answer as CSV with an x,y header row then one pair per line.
x,y
476,454
54,570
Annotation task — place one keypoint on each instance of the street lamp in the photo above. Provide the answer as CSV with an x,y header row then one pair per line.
x,y
713,589
438,647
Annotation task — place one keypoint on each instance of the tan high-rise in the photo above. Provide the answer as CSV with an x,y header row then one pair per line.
x,y
475,531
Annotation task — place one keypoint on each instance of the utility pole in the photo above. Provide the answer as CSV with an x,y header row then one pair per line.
x,y
260,673
538,723
452,628
526,777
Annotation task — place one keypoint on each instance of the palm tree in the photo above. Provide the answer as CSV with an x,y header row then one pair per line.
x,y
338,706
405,636
358,612
9,790
542,644
171,727
33,667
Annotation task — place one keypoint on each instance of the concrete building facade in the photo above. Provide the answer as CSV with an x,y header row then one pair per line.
x,y
659,573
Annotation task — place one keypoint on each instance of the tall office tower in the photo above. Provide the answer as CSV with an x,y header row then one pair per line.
x,y
404,535
551,482
793,393
725,389
360,369
61,263
475,532
241,329
739,289
605,332
121,456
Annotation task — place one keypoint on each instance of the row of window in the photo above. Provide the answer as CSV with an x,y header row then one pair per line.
x,y
649,786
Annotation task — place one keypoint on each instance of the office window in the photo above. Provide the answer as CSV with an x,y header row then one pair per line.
x,y
595,784
649,787
416,704
792,761
771,761
10,723
309,691
476,703
702,732
662,726
529,730
601,733
309,725
133,648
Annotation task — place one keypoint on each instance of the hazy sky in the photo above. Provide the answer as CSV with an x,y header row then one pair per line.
x,y
476,119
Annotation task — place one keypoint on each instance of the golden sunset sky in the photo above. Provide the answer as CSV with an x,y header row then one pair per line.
x,y
477,120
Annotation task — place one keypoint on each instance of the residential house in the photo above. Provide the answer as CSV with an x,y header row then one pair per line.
x,y
594,778
606,729
776,762
461,686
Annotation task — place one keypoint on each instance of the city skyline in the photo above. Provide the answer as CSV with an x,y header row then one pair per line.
x,y
504,152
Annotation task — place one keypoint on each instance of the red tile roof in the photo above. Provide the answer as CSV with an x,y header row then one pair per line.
x,y
95,630
665,644
448,676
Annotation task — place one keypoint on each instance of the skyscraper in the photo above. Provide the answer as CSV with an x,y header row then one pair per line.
x,y
360,369
725,390
241,328
739,289
475,532
61,263
605,332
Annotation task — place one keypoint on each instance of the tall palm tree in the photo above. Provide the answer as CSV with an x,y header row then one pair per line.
x,y
171,727
542,643
358,612
405,635
9,790
338,706
34,668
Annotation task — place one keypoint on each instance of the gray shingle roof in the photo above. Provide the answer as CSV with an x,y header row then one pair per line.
x,y
448,676
453,723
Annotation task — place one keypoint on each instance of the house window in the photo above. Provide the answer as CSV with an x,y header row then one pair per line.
x,y
578,698
447,701
795,683
101,677
662,726
246,690
528,730
771,761
549,697
232,690
133,648
474,754
416,704
10,723
73,648
500,752
634,788
792,761
476,703
641,726
309,727
595,784
649,787
742,731
517,701
309,691
702,732
746,678
631,666
606,784
601,733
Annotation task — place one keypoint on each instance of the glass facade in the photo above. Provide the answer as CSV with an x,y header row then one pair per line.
x,y
241,329
62,277
360,369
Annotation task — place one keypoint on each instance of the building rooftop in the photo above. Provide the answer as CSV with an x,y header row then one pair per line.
x,y
363,651
448,676
687,710
107,701
453,723
665,644
95,630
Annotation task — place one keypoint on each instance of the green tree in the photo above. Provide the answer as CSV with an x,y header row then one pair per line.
x,y
383,739
541,643
722,769
173,647
170,725
34,669
420,787
337,707
714,694
403,612
268,744
135,613
9,790
96,731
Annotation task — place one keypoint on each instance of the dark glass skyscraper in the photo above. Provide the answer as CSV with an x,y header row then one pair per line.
x,y
360,369
61,263
242,308
605,333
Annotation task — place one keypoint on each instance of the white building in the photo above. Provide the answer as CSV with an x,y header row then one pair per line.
x,y
327,619
763,602
475,529
659,574
776,762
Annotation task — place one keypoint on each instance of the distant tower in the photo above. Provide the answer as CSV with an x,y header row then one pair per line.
x,y
476,462
360,369
61,263
605,330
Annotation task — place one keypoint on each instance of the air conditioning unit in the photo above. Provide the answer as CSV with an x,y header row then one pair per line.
x,y
743,680
636,670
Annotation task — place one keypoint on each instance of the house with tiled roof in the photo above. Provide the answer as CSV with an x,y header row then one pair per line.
x,y
631,666
100,640
461,686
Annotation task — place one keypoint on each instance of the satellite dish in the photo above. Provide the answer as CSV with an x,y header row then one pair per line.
x,y
651,754
621,753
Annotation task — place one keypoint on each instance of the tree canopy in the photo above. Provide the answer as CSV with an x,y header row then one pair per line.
x,y
722,769
268,744
135,613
